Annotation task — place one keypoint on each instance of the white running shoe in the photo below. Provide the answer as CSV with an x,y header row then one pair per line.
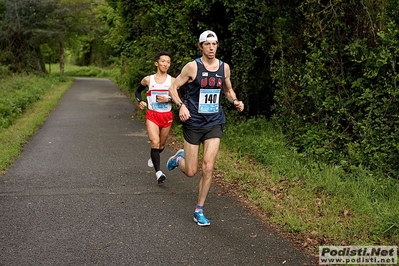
x,y
150,164
160,177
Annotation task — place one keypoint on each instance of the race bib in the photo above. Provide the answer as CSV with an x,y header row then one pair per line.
x,y
156,106
209,101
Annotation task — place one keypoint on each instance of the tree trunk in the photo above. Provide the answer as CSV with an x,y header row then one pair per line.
x,y
87,56
62,54
40,62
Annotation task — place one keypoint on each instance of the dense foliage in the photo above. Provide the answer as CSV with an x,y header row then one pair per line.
x,y
339,100
33,33
17,95
325,70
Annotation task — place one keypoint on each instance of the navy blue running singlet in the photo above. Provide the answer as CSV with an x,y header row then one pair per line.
x,y
202,97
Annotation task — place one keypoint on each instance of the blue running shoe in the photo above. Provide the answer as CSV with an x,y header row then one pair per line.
x,y
200,219
172,161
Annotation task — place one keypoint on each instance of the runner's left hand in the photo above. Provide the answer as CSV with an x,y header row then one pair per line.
x,y
239,105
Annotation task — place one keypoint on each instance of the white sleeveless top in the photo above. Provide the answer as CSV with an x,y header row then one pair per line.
x,y
158,89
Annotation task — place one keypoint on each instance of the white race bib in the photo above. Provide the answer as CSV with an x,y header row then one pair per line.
x,y
156,106
209,101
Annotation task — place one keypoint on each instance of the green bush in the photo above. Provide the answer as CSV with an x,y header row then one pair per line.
x,y
339,101
372,197
18,93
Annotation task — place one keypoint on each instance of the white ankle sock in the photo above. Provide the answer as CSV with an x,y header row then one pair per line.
x,y
158,174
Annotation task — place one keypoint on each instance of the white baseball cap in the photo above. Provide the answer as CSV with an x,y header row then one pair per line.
x,y
204,36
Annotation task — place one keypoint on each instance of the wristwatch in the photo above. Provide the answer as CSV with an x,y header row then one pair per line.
x,y
179,105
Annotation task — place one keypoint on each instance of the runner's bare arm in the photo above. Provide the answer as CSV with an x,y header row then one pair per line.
x,y
228,90
186,75
227,87
145,82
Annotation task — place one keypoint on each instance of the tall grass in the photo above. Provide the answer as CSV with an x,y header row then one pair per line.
x,y
18,93
26,100
85,71
305,196
43,94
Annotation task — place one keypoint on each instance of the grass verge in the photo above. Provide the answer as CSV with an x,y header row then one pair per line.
x,y
16,136
314,203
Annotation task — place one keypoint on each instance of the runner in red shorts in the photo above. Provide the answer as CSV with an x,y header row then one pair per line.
x,y
159,116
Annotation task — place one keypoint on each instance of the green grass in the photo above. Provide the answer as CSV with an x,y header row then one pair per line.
x,y
319,202
14,137
26,101
86,71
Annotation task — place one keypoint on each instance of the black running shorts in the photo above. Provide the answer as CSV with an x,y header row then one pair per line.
x,y
197,135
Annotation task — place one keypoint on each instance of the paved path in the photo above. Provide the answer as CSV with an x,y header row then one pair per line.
x,y
82,194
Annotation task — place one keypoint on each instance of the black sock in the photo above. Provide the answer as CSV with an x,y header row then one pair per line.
x,y
156,159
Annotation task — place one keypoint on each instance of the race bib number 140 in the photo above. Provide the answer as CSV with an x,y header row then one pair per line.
x,y
209,101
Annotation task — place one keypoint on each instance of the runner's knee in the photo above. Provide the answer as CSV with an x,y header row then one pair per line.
x,y
155,144
190,171
207,167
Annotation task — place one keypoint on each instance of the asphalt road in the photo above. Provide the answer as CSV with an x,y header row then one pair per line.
x,y
81,193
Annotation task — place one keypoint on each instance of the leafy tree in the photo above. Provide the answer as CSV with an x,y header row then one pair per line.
x,y
85,35
339,100
27,26
325,70
21,34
